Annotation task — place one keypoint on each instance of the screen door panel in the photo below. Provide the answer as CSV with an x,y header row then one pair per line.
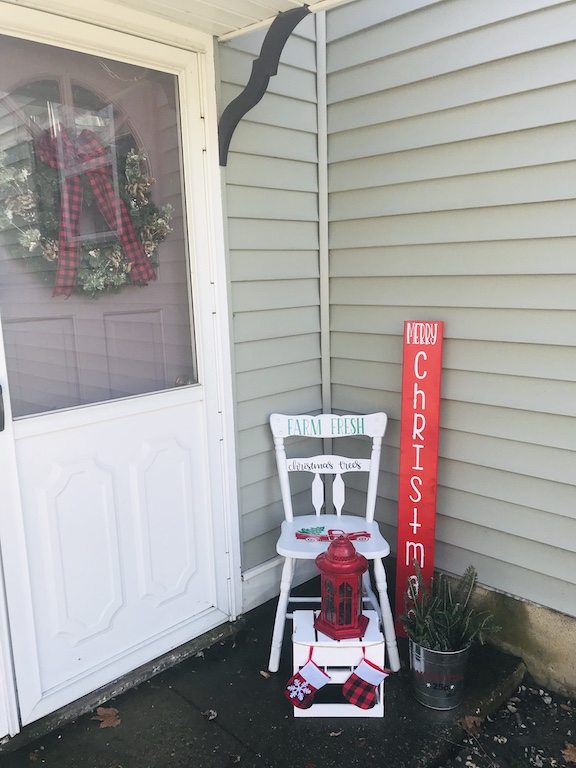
x,y
111,548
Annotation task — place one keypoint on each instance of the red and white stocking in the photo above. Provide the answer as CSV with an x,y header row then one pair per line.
x,y
302,686
360,688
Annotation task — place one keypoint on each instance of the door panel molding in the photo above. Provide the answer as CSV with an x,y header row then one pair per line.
x,y
163,581
95,556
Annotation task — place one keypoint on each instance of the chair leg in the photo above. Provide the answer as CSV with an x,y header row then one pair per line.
x,y
281,611
387,620
369,592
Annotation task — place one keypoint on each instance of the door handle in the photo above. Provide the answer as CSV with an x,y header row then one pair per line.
x,y
1,410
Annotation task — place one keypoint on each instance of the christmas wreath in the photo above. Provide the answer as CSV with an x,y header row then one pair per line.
x,y
43,200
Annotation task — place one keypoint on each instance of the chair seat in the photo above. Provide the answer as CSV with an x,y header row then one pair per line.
x,y
307,536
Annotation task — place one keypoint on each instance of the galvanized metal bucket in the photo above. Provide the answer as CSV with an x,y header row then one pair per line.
x,y
437,676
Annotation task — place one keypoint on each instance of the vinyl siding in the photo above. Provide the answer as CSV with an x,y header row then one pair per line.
x,y
452,168
271,187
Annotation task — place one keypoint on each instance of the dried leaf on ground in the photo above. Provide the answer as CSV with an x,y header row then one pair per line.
x,y
567,707
569,753
265,674
471,724
108,717
210,714
33,756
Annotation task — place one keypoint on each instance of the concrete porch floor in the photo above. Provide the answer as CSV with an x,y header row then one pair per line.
x,y
166,722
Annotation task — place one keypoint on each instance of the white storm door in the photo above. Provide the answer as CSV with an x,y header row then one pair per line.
x,y
111,444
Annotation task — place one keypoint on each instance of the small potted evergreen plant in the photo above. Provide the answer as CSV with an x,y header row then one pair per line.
x,y
441,624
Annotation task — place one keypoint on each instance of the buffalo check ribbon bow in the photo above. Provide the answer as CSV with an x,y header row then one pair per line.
x,y
86,155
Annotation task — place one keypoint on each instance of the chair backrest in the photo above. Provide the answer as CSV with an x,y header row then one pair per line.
x,y
328,426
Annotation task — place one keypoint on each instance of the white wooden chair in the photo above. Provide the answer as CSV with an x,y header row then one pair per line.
x,y
306,536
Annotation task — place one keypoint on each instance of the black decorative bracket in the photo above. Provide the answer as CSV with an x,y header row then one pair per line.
x,y
263,68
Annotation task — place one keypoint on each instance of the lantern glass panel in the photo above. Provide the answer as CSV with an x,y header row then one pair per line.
x,y
329,611
345,604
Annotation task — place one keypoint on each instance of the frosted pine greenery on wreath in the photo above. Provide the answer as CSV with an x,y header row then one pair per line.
x,y
31,200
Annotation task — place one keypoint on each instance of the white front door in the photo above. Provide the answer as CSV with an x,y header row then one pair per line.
x,y
112,525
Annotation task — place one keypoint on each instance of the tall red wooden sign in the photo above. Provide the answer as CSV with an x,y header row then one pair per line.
x,y
419,431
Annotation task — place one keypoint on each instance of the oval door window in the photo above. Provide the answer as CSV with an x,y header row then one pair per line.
x,y
94,278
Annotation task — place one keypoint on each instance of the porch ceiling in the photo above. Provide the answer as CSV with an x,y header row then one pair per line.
x,y
223,18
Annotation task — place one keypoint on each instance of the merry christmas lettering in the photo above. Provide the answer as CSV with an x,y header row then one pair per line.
x,y
415,550
421,333
419,430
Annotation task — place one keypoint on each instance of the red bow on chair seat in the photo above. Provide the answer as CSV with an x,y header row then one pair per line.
x,y
86,154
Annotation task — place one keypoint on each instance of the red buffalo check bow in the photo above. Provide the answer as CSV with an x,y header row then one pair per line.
x,y
86,155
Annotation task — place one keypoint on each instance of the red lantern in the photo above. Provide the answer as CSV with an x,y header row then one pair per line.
x,y
341,569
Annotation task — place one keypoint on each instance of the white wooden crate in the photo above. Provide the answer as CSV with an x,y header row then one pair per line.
x,y
338,658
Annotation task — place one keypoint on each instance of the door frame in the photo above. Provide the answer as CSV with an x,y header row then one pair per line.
x,y
167,46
